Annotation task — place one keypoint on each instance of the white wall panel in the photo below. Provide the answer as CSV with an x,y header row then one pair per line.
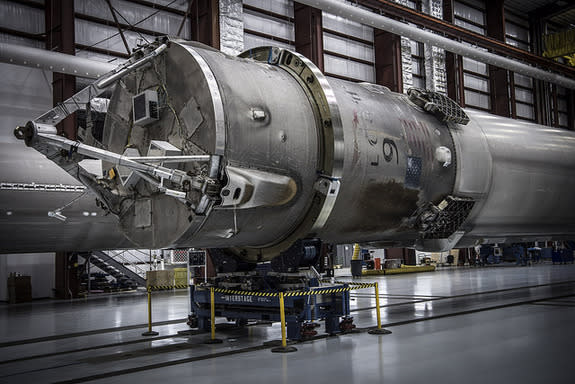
x,y
348,47
282,7
181,5
41,268
469,26
21,18
11,39
269,25
135,14
522,80
517,36
517,32
349,68
476,99
525,111
524,95
25,93
107,37
475,82
339,24
468,13
252,41
475,66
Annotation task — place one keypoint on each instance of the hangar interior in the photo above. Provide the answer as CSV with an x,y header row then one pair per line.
x,y
497,308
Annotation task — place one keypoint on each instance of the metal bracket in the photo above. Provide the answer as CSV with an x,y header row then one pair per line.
x,y
80,99
443,220
330,188
42,135
441,106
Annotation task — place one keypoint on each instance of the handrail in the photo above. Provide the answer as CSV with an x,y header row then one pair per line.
x,y
120,255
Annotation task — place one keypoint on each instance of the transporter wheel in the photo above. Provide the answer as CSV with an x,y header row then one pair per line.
x,y
192,321
346,325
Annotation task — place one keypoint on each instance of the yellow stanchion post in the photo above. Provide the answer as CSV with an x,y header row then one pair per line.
x,y
378,330
283,320
284,348
377,306
213,339
150,332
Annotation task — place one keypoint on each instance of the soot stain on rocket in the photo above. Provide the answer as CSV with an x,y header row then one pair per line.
x,y
383,206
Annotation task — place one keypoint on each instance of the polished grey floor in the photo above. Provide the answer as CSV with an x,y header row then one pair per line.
x,y
496,324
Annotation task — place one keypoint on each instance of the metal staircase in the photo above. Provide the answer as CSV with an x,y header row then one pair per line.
x,y
125,276
129,266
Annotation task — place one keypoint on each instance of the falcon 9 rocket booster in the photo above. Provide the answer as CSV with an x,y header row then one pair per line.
x,y
251,153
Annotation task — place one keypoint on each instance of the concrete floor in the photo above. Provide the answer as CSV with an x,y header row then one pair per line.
x,y
496,324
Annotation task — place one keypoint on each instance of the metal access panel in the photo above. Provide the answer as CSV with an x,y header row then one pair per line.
x,y
145,107
163,148
143,213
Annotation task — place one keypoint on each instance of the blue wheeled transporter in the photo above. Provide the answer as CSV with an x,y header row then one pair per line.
x,y
328,303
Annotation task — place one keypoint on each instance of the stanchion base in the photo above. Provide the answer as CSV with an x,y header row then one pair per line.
x,y
379,331
287,349
213,341
150,333
272,343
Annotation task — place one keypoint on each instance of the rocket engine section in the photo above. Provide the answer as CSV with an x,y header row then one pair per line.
x,y
262,140
254,152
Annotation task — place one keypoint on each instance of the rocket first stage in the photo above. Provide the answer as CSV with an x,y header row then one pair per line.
x,y
251,153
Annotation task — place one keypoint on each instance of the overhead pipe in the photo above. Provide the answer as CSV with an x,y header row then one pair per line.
x,y
82,67
359,15
53,61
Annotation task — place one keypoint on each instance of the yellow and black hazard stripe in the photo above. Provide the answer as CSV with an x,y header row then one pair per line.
x,y
324,291
321,291
165,287
246,293
362,285
352,284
